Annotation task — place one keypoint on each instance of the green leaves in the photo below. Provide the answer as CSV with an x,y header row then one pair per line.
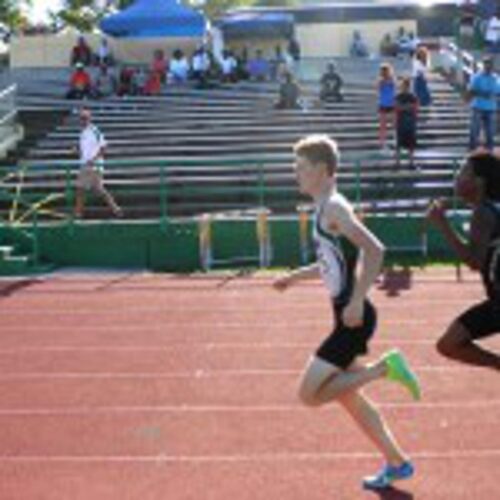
x,y
10,12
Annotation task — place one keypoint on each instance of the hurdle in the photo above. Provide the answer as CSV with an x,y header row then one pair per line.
x,y
262,232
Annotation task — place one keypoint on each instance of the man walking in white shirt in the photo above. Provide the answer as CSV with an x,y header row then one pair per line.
x,y
92,149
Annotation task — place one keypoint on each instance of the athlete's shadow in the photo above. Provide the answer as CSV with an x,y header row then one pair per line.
x,y
393,493
396,280
10,288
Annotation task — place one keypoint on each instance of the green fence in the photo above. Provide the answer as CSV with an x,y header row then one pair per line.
x,y
28,213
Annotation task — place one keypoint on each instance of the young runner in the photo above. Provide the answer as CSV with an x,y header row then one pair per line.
x,y
334,372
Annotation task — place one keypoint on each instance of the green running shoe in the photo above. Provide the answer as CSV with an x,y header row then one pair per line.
x,y
398,370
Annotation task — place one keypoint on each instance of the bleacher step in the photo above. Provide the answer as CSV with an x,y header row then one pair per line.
x,y
14,265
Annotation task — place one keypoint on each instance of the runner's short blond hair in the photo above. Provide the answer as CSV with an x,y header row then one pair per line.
x,y
319,148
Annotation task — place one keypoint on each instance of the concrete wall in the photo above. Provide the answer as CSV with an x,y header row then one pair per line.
x,y
316,40
327,40
54,51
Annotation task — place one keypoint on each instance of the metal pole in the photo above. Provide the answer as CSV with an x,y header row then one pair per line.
x,y
68,192
263,237
163,198
205,241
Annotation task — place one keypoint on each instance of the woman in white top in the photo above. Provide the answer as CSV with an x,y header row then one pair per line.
x,y
228,66
104,55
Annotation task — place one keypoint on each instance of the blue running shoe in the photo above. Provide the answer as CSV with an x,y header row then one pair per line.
x,y
387,475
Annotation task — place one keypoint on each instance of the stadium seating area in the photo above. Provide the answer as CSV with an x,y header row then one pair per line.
x,y
190,151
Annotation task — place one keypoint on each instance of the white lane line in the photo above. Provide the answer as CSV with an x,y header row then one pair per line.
x,y
236,308
196,409
458,454
208,346
194,323
196,374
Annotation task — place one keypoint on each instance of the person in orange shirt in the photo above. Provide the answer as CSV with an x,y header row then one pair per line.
x,y
153,84
159,65
80,84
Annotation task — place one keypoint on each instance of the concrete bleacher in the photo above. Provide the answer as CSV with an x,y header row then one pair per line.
x,y
215,148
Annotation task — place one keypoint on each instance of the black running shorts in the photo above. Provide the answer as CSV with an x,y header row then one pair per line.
x,y
482,320
345,344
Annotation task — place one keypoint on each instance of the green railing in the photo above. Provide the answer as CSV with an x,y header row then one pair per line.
x,y
253,187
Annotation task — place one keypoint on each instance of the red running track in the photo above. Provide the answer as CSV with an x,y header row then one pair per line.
x,y
137,386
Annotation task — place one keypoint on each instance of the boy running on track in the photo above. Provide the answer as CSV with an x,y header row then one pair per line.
x,y
478,184
333,372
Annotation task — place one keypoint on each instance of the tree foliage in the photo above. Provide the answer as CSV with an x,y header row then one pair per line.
x,y
86,14
11,12
216,8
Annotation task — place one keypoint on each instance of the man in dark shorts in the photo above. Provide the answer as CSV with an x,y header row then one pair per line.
x,y
406,121
478,184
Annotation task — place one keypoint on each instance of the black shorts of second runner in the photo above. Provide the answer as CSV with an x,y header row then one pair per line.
x,y
482,320
345,344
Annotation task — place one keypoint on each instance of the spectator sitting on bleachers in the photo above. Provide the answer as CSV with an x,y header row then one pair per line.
x,y
229,67
139,79
289,93
358,46
153,84
492,36
179,67
104,57
80,84
160,65
401,35
201,66
81,53
331,85
408,44
388,48
258,68
126,82
105,84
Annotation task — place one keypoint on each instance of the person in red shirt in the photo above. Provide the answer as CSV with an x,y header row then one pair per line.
x,y
159,65
153,84
80,84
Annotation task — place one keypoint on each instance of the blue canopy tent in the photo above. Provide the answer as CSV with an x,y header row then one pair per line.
x,y
155,18
257,25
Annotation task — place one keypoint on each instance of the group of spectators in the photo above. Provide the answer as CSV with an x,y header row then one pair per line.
x,y
203,68
392,45
290,92
401,44
478,31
